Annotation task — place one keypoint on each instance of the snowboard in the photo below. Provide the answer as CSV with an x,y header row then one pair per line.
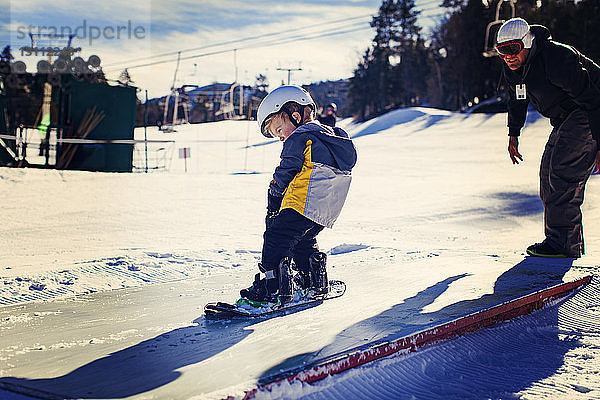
x,y
243,309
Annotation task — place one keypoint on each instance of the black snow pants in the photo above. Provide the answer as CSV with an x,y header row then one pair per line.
x,y
290,234
567,163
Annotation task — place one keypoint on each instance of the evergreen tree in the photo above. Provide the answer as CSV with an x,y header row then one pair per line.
x,y
461,71
379,65
411,69
576,24
262,84
408,33
100,77
6,54
451,72
377,84
587,22
463,74
125,79
361,94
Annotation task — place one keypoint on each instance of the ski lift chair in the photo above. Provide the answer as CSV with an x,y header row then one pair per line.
x,y
489,47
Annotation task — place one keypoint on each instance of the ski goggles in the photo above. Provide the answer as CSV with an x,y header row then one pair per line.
x,y
510,48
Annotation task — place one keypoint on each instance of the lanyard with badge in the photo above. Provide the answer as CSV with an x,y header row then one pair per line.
x,y
521,91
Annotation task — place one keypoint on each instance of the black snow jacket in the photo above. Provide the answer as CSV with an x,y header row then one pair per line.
x,y
327,120
558,79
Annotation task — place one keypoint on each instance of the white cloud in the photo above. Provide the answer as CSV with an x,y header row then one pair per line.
x,y
58,10
329,57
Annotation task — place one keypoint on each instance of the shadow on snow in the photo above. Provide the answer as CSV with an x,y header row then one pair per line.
x,y
143,367
445,377
519,204
153,363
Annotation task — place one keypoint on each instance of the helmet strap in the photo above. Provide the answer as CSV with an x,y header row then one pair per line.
x,y
292,120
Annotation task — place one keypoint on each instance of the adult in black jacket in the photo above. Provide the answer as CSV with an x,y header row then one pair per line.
x,y
563,85
328,116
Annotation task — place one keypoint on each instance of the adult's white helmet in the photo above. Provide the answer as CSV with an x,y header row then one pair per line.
x,y
515,29
273,102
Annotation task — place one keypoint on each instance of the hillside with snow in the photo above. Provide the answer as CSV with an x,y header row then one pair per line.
x,y
104,276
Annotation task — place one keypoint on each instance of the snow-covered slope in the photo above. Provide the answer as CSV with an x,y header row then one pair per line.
x,y
437,216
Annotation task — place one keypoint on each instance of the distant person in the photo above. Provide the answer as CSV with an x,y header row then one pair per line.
x,y
563,85
308,190
328,116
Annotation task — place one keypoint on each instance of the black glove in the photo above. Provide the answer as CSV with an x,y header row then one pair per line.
x,y
273,206
270,218
273,202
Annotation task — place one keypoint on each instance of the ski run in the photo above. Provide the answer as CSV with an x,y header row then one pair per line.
x,y
104,277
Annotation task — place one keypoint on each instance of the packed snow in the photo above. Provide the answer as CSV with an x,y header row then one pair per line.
x,y
103,276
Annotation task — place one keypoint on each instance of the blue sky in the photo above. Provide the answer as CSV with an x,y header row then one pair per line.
x,y
325,39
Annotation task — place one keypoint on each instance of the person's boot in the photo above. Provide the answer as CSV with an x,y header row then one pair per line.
x,y
285,279
302,280
276,286
545,250
263,290
318,273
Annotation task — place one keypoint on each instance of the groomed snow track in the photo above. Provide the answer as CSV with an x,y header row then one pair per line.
x,y
360,356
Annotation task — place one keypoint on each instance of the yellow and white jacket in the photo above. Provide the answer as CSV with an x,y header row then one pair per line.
x,y
314,175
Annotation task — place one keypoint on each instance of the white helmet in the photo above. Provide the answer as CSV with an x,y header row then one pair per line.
x,y
273,102
515,29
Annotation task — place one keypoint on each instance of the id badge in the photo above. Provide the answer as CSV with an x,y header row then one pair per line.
x,y
521,92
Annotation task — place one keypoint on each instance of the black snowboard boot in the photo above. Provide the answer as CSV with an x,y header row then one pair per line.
x,y
262,290
302,280
318,273
544,250
285,278
276,286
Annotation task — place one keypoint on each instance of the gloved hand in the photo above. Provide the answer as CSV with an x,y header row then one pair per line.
x,y
273,202
270,218
273,205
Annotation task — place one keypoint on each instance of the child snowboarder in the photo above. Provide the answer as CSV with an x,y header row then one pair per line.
x,y
307,193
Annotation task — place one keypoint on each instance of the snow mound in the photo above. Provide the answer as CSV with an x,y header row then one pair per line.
x,y
415,118
347,248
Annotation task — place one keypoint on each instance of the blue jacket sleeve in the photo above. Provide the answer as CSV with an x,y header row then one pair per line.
x,y
340,132
292,159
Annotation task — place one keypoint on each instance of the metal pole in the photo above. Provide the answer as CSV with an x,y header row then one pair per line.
x,y
247,145
241,99
289,71
235,65
145,133
176,108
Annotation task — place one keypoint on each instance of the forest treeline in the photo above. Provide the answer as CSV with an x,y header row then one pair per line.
x,y
447,69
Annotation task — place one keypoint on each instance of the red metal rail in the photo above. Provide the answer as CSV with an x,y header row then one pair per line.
x,y
470,323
